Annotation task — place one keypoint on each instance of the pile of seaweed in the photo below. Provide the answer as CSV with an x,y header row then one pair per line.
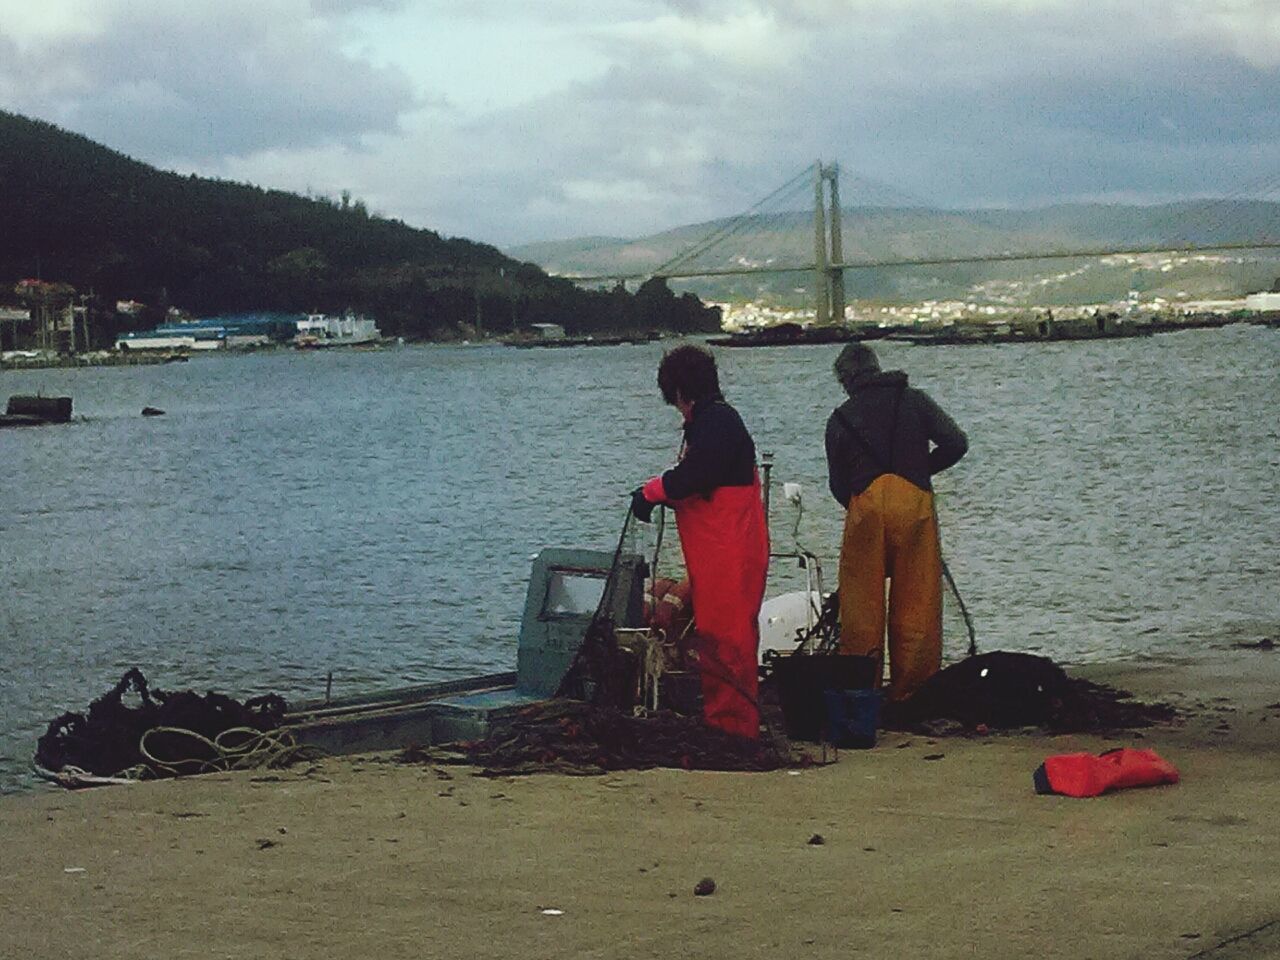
x,y
569,736
1004,690
1087,707
107,740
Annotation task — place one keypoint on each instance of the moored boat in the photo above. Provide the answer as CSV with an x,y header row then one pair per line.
x,y
322,330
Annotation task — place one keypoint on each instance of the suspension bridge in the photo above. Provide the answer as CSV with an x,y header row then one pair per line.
x,y
769,238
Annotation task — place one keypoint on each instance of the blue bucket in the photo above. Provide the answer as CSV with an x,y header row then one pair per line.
x,y
852,717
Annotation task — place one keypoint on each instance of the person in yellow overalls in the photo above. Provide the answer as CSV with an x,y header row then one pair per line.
x,y
883,445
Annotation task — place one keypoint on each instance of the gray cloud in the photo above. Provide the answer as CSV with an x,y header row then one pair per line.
x,y
325,7
175,84
702,108
995,109
1064,107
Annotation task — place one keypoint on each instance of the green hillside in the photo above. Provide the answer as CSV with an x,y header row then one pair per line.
x,y
74,211
878,233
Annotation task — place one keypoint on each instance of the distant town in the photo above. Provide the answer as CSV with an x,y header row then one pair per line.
x,y
997,302
753,316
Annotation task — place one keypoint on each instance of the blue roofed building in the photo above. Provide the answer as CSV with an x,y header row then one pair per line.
x,y
233,331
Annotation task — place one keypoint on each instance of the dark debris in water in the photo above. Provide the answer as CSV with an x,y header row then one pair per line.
x,y
1266,643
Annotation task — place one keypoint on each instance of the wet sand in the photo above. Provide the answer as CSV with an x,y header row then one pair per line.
x,y
932,848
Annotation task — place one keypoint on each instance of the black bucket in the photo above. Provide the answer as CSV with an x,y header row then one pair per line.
x,y
802,681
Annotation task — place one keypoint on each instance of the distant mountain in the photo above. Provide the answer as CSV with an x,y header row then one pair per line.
x,y
74,211
894,233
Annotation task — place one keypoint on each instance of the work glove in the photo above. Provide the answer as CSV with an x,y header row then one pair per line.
x,y
641,507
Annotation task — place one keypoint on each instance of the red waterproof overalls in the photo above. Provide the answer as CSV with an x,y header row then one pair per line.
x,y
726,551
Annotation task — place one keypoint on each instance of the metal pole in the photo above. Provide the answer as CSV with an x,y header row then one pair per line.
x,y
837,247
822,296
766,467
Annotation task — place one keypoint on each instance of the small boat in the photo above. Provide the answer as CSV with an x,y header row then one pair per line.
x,y
320,330
566,586
568,589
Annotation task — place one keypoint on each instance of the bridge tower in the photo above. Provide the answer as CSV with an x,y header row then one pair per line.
x,y
828,249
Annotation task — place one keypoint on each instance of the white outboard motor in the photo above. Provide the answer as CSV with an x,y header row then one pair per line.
x,y
785,617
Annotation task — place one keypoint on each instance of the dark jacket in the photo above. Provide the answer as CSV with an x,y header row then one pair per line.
x,y
718,452
887,426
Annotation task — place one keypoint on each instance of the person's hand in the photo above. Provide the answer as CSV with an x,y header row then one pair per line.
x,y
641,507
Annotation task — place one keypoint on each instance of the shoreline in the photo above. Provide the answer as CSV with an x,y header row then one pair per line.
x,y
933,846
965,332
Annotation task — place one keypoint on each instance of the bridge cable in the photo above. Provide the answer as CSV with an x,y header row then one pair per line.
x,y
762,236
723,232
738,224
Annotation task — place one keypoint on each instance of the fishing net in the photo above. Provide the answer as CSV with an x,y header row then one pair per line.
x,y
1004,690
572,737
164,734
604,672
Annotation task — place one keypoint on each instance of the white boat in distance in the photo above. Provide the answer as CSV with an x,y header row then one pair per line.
x,y
323,330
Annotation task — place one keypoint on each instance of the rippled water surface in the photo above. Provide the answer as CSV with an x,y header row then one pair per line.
x,y
373,514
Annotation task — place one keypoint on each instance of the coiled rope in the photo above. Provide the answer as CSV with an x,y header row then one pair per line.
x,y
238,748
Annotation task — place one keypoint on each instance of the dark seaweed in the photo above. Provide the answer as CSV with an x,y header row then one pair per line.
x,y
105,741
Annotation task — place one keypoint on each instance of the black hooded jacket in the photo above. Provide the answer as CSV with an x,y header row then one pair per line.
x,y
887,426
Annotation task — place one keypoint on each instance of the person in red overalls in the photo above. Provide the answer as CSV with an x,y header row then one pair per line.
x,y
715,493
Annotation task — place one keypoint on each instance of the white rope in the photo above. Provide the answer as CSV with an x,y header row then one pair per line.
x,y
255,749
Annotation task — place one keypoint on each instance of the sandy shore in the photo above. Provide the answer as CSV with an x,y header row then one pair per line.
x,y
933,848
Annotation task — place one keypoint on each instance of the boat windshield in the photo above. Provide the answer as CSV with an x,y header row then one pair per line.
x,y
573,593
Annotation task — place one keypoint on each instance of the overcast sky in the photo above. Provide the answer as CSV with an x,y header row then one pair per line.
x,y
511,121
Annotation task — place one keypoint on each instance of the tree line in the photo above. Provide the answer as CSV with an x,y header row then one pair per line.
x,y
79,213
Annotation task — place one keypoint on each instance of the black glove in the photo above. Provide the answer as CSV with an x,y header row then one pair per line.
x,y
641,507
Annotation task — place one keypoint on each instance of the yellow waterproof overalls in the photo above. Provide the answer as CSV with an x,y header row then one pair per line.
x,y
891,532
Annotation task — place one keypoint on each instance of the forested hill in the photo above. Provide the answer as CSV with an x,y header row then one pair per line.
x,y
74,211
